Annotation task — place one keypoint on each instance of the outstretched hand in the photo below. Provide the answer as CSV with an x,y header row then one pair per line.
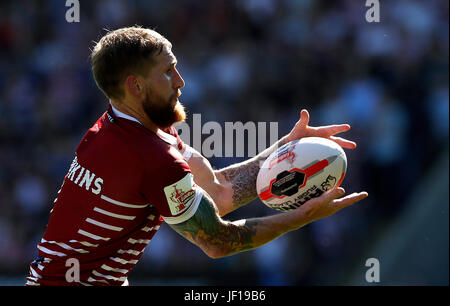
x,y
302,129
328,204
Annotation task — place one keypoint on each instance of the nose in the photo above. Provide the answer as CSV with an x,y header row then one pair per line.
x,y
178,80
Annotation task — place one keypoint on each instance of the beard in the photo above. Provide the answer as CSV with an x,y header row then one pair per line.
x,y
163,112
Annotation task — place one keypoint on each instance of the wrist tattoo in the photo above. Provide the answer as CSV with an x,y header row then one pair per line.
x,y
243,180
243,176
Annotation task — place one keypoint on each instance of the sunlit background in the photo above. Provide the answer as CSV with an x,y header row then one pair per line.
x,y
249,61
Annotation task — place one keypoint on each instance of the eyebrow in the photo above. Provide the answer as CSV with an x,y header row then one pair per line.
x,y
173,62
172,59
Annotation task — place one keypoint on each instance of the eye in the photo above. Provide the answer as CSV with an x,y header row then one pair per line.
x,y
170,70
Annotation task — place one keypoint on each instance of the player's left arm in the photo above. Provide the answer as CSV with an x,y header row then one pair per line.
x,y
235,186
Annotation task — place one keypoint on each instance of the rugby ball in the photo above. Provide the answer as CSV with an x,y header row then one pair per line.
x,y
299,171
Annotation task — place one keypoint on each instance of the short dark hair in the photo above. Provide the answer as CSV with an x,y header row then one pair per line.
x,y
122,52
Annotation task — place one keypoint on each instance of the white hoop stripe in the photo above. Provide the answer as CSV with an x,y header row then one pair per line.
x,y
95,237
103,197
108,213
104,225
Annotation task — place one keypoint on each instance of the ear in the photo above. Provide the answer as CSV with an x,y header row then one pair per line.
x,y
133,85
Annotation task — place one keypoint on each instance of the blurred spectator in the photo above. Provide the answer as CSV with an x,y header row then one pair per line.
x,y
30,194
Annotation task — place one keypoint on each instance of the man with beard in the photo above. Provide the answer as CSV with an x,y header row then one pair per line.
x,y
131,172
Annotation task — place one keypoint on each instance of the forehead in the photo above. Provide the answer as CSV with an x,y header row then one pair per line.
x,y
166,57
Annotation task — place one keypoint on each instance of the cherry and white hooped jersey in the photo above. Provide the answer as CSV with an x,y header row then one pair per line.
x,y
124,181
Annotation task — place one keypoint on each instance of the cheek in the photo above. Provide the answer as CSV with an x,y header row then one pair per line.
x,y
157,94
163,86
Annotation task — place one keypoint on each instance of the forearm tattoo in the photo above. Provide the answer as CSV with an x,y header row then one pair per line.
x,y
243,176
215,236
243,180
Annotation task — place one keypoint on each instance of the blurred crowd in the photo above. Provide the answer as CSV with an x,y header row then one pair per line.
x,y
252,60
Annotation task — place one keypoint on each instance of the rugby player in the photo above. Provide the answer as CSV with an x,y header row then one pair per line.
x,y
131,172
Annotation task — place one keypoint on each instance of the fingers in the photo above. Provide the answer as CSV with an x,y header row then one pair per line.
x,y
348,200
330,130
329,203
327,131
347,144
333,194
326,198
322,131
333,129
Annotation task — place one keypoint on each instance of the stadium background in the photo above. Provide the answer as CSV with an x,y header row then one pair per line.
x,y
259,61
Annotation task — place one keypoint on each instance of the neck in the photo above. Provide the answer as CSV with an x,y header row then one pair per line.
x,y
135,113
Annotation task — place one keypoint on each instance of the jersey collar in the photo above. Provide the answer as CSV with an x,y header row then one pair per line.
x,y
170,139
119,114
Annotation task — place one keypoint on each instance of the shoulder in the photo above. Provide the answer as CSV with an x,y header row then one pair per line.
x,y
127,143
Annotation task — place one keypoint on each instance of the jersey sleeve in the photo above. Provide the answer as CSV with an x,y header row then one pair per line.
x,y
180,144
171,137
168,184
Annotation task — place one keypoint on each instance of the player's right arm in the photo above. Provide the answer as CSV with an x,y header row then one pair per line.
x,y
219,238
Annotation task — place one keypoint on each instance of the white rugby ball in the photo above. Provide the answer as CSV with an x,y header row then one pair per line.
x,y
299,171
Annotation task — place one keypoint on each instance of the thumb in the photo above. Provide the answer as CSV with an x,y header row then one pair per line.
x,y
304,117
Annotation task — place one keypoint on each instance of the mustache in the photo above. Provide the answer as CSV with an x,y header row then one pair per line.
x,y
177,94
